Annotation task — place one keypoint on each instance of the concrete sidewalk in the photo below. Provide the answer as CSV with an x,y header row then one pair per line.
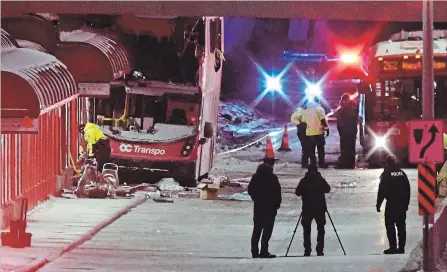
x,y
61,224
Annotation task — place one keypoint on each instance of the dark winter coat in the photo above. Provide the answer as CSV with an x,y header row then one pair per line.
x,y
395,188
347,118
265,190
312,189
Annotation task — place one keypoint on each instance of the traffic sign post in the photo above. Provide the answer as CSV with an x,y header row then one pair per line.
x,y
426,142
427,188
428,111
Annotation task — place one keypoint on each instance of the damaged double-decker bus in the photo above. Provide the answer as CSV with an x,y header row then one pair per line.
x,y
162,118
395,94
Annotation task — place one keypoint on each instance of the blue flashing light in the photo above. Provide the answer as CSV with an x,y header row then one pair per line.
x,y
273,83
312,91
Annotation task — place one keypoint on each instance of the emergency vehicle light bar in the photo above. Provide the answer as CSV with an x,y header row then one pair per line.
x,y
306,57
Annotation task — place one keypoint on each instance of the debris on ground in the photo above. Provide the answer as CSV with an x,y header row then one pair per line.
x,y
225,181
154,194
241,180
169,184
189,194
91,184
241,197
208,191
244,196
347,184
163,199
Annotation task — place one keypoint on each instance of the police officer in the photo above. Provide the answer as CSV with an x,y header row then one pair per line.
x,y
98,145
265,190
297,120
315,118
347,120
312,189
395,188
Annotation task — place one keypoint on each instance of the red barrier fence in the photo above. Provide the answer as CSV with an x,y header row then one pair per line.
x,y
30,163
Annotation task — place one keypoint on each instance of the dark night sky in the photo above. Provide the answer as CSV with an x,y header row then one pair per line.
x,y
265,39
238,30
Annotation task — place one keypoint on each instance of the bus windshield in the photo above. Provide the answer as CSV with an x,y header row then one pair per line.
x,y
401,100
148,117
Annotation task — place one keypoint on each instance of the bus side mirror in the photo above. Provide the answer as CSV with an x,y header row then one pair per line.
x,y
208,130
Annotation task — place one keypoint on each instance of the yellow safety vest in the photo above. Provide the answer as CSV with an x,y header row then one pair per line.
x,y
296,117
312,116
92,134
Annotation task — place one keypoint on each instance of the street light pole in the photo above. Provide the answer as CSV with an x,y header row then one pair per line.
x,y
427,112
427,68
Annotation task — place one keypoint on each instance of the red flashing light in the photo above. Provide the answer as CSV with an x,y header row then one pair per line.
x,y
349,58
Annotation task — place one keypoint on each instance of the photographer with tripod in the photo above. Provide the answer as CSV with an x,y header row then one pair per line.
x,y
265,190
312,189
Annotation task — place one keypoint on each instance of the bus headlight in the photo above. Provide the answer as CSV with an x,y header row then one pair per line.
x,y
380,142
188,147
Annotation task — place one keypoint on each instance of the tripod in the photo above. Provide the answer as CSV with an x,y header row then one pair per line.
x,y
296,227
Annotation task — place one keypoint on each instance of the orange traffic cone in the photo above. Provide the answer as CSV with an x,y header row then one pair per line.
x,y
285,141
269,153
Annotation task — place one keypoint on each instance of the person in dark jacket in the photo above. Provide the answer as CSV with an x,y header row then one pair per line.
x,y
312,189
265,190
347,121
395,188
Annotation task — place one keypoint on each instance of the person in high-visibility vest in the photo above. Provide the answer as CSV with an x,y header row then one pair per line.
x,y
98,145
315,118
297,119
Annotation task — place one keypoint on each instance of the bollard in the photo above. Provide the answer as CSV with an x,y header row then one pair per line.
x,y
17,237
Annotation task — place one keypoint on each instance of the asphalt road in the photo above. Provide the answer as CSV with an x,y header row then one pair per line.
x,y
332,148
197,235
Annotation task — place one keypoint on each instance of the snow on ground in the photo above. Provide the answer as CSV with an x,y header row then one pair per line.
x,y
442,266
415,261
239,123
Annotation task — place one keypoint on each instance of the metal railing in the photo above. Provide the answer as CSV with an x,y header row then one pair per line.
x,y
31,163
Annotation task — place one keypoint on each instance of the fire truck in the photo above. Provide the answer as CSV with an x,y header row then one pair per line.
x,y
163,129
324,76
395,93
